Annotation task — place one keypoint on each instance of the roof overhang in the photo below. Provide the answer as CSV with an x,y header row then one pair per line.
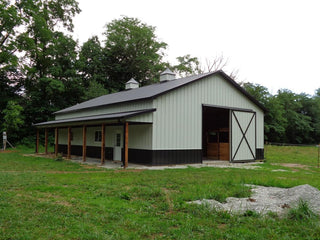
x,y
96,119
228,108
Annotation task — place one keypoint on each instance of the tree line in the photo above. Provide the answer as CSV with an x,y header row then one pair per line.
x,y
290,117
43,69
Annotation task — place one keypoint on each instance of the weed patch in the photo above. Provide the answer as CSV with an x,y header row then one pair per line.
x,y
302,212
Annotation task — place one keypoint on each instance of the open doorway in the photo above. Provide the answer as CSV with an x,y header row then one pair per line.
x,y
215,133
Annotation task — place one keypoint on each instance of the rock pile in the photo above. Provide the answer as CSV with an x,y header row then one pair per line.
x,y
269,199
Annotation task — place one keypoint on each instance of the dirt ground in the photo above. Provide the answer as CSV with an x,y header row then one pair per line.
x,y
291,165
7,151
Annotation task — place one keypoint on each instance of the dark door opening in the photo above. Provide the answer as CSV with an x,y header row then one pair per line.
x,y
215,133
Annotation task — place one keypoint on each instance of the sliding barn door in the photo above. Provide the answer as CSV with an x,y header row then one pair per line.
x,y
243,135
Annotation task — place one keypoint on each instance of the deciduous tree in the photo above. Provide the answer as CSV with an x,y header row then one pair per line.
x,y
187,66
132,50
12,119
91,63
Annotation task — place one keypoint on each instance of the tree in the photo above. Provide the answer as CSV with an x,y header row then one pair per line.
x,y
275,121
50,80
187,66
132,50
12,119
217,63
275,124
258,91
299,128
315,115
94,90
10,21
91,63
220,63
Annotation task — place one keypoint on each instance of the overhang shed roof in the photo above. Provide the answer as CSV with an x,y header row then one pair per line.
x,y
110,116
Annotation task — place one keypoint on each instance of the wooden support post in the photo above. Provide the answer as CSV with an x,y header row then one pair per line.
x,y
46,140
103,143
84,143
37,141
69,143
56,142
126,134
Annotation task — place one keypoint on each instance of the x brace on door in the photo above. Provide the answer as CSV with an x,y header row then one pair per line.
x,y
243,135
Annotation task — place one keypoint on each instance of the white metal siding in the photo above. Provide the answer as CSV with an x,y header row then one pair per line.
x,y
140,136
77,136
122,107
144,118
177,123
63,136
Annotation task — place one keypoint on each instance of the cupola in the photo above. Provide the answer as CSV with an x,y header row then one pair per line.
x,y
167,75
131,84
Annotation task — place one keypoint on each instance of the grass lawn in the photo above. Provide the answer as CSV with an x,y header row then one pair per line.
x,y
46,199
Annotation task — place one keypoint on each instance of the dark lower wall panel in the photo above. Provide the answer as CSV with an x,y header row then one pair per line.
x,y
62,149
76,150
141,156
94,152
167,157
148,157
164,157
260,153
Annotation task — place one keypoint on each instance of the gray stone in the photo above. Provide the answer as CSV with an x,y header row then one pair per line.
x,y
269,199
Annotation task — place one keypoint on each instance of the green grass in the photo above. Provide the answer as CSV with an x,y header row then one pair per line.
x,y
290,154
46,199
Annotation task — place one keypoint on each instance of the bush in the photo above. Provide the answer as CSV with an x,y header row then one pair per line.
x,y
29,142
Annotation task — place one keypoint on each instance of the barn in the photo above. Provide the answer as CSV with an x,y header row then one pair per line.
x,y
175,121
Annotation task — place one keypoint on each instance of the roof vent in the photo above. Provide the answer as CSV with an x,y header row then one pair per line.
x,y
167,75
131,84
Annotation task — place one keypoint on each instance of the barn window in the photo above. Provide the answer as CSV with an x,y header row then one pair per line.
x,y
213,137
97,136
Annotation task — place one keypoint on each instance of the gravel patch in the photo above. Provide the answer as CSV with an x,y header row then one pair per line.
x,y
268,199
214,164
279,170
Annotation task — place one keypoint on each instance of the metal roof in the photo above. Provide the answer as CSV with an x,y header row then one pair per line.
x,y
109,116
151,91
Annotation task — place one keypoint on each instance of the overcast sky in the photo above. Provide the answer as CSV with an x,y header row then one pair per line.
x,y
275,43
